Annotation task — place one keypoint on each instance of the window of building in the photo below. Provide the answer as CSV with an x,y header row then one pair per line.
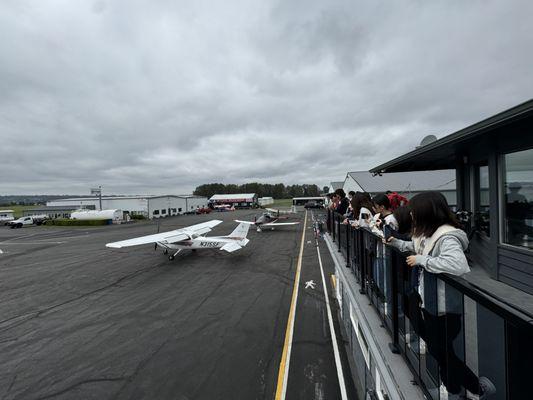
x,y
482,216
156,212
179,209
518,200
163,211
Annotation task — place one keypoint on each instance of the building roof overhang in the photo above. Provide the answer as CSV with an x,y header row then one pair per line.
x,y
442,154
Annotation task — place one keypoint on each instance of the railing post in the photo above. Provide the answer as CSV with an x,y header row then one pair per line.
x,y
364,260
348,230
333,228
339,232
395,269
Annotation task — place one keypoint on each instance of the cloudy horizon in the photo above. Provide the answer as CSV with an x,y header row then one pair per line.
x,y
160,97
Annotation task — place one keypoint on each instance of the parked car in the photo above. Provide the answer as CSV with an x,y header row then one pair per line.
x,y
203,210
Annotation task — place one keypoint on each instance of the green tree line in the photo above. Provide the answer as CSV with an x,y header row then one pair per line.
x,y
277,190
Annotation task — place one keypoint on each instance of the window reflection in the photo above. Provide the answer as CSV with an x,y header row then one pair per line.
x,y
519,198
482,215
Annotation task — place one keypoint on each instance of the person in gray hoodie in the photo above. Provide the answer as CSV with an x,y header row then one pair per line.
x,y
437,246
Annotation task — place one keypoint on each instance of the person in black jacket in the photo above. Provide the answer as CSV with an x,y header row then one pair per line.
x,y
342,207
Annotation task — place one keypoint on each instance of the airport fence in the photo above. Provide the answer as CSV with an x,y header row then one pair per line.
x,y
449,332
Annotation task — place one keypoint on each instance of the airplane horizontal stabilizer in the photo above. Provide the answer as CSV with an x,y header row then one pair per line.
x,y
231,247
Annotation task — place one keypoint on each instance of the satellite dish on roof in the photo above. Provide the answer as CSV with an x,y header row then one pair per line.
x,y
427,140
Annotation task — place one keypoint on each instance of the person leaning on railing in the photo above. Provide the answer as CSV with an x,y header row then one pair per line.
x,y
342,205
384,213
361,206
405,223
396,200
438,245
334,201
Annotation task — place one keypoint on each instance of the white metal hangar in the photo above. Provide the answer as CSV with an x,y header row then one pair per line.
x,y
148,206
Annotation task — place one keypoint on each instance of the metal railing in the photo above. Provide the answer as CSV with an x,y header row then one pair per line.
x,y
451,333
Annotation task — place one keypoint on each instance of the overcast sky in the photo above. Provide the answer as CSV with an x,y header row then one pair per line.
x,y
161,96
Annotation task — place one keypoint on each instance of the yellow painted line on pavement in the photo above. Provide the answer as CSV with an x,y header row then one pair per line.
x,y
283,373
334,281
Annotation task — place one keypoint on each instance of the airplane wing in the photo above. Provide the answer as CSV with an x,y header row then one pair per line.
x,y
273,210
174,236
280,223
245,222
203,228
231,247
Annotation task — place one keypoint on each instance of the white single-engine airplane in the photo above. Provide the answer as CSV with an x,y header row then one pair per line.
x,y
191,238
269,219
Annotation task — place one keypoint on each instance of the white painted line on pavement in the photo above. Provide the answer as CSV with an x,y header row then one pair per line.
x,y
283,374
338,363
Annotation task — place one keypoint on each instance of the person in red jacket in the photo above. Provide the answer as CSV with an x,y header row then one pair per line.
x,y
396,200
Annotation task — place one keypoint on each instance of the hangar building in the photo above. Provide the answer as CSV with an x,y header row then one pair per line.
x,y
335,185
148,206
407,184
51,212
238,200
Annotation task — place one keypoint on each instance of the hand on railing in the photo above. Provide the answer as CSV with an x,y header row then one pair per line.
x,y
411,261
388,240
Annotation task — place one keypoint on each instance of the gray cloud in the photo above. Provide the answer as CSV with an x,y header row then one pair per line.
x,y
145,97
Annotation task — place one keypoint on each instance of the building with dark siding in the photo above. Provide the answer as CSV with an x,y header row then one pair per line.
x,y
493,160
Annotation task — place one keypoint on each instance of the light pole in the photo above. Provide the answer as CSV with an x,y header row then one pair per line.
x,y
98,191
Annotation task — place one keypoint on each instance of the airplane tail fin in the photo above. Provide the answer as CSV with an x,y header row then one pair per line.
x,y
240,233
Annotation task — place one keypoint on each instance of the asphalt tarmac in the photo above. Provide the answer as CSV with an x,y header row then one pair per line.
x,y
81,321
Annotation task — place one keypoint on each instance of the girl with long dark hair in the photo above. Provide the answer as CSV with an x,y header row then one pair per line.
x,y
438,245
362,208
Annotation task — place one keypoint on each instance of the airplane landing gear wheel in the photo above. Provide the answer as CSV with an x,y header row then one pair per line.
x,y
170,258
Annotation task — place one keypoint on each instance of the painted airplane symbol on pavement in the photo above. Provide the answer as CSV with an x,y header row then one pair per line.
x,y
310,284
